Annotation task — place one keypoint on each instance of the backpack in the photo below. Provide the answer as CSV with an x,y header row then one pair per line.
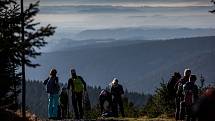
x,y
171,87
78,85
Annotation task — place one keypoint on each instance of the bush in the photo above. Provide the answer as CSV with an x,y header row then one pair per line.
x,y
160,103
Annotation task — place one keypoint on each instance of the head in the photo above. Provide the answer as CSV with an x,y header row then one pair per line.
x,y
115,82
177,75
193,78
187,72
73,73
53,72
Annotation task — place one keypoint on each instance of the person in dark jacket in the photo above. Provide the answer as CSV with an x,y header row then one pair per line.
x,y
53,88
117,93
78,87
190,90
105,96
64,102
172,88
180,94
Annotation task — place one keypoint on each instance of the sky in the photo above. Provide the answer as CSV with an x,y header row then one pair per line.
x,y
74,16
99,14
127,2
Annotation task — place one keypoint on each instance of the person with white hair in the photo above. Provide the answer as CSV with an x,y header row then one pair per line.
x,y
117,92
180,94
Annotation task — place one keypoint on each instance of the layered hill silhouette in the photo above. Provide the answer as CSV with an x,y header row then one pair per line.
x,y
143,34
139,66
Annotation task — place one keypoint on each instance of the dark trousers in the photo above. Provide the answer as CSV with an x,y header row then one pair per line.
x,y
189,113
102,99
182,110
117,101
77,105
177,110
63,111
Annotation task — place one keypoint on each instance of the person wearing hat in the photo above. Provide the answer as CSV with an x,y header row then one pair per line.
x,y
77,86
52,88
117,93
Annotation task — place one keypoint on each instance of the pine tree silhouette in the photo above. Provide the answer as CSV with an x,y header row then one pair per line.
x,y
12,48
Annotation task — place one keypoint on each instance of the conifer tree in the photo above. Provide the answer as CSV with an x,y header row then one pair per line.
x,y
12,47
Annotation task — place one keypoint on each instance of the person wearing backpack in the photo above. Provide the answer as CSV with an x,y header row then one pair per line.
x,y
180,94
78,87
171,84
52,88
190,90
117,94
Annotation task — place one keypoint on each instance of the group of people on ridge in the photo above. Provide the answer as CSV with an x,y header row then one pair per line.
x,y
58,99
185,92
58,103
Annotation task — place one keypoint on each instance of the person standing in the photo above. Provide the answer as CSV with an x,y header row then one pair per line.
x,y
52,88
180,94
64,102
117,93
190,90
172,88
78,87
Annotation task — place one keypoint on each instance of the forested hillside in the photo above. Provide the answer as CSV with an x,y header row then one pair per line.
x,y
139,66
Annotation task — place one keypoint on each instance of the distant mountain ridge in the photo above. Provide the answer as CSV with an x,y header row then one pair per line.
x,y
121,36
143,34
140,66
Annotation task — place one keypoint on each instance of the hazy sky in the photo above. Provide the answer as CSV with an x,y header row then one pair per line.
x,y
127,2
99,14
73,16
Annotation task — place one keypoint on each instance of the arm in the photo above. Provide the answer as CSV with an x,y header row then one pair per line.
x,y
57,81
111,90
69,84
122,91
84,83
57,85
196,93
46,81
